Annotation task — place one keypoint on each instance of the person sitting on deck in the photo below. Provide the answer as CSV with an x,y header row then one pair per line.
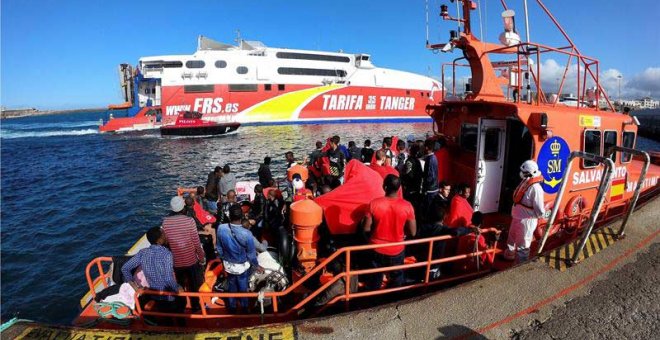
x,y
201,199
460,210
385,222
238,254
205,231
229,202
189,258
158,267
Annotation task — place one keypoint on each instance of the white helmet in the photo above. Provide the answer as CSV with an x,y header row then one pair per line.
x,y
529,169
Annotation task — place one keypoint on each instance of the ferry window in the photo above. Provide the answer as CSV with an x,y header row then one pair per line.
x,y
492,144
591,145
198,89
172,64
220,64
469,137
421,94
628,142
364,57
243,87
241,70
267,87
195,64
407,92
311,72
309,56
280,87
609,140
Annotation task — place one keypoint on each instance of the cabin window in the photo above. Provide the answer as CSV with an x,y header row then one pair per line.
x,y
628,142
609,140
195,64
492,144
242,87
407,92
469,137
241,70
364,57
310,56
591,145
198,89
296,71
220,64
421,94
267,87
172,64
280,87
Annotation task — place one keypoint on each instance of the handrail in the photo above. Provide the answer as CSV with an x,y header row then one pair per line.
x,y
206,296
605,182
92,283
640,181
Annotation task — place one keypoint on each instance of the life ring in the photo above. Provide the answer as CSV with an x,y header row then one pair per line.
x,y
575,206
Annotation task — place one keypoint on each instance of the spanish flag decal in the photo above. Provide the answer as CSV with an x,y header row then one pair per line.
x,y
618,188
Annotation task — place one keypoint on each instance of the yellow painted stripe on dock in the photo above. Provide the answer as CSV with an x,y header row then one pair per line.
x,y
597,241
275,332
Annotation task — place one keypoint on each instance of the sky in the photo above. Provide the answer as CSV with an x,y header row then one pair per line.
x,y
64,54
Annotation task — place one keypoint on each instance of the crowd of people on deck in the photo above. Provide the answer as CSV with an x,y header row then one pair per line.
x,y
211,223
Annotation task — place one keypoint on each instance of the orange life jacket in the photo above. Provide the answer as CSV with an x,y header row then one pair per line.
x,y
522,189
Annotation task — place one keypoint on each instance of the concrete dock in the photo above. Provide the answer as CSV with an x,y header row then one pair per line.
x,y
612,294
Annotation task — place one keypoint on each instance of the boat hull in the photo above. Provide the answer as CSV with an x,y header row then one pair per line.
x,y
218,129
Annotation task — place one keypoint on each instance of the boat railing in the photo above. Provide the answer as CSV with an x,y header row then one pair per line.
x,y
603,187
277,311
526,66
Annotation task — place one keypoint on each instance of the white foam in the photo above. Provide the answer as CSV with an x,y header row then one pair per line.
x,y
37,126
9,134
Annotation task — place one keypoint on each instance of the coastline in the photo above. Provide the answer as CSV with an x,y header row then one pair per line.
x,y
29,112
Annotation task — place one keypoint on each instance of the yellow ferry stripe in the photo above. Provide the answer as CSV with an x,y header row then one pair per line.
x,y
283,107
279,332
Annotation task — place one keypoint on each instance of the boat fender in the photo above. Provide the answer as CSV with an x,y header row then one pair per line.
x,y
286,247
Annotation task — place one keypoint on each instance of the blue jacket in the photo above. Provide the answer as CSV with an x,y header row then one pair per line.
x,y
235,244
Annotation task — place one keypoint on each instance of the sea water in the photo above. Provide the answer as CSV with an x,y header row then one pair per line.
x,y
70,194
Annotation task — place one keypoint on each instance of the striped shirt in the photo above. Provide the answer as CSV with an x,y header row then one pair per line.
x,y
181,233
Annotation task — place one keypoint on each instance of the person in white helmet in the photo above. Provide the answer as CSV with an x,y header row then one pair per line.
x,y
528,207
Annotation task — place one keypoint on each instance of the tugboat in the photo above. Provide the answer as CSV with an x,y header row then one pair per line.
x,y
190,123
591,175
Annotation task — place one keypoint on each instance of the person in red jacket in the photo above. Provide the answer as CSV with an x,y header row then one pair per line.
x,y
387,221
460,210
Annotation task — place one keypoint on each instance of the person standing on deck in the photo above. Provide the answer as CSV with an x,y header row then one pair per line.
x,y
430,183
238,253
264,173
336,158
189,257
227,182
387,219
367,152
212,189
528,207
